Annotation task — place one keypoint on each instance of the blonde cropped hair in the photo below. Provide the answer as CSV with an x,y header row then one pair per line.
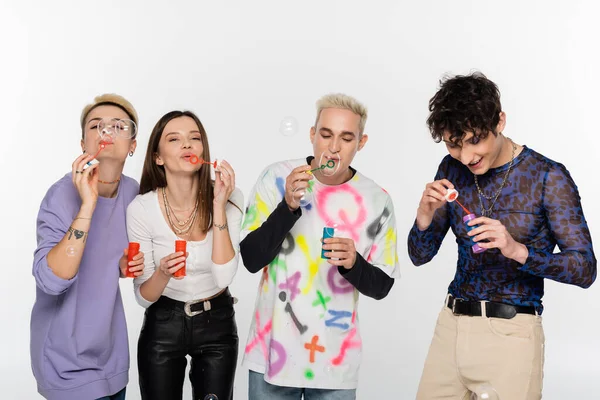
x,y
344,102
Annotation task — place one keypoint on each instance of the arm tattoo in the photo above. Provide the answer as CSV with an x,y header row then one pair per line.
x,y
221,227
78,234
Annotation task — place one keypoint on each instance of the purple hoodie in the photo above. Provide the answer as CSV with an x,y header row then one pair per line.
x,y
79,345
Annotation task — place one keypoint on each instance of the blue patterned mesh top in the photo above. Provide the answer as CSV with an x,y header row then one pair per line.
x,y
540,207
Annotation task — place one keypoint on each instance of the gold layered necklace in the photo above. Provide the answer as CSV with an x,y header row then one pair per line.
x,y
181,228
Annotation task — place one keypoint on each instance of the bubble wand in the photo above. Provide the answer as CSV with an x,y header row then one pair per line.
x,y
330,164
94,160
195,160
452,196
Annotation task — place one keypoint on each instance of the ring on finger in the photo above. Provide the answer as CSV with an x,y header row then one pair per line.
x,y
79,172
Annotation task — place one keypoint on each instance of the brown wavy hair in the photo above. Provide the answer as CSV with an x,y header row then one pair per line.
x,y
464,103
153,175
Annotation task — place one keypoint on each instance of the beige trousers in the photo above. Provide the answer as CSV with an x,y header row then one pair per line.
x,y
470,353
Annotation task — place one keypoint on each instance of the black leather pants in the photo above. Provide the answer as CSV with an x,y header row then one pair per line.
x,y
168,335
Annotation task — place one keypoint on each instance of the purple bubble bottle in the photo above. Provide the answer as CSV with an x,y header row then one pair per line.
x,y
476,248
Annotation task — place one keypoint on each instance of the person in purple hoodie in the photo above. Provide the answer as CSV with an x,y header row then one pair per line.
x,y
79,344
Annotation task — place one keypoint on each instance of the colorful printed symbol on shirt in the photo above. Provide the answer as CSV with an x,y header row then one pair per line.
x,y
375,226
347,344
288,245
265,277
280,183
251,216
344,224
313,263
321,300
373,250
260,336
390,247
276,264
256,214
276,366
342,286
337,315
292,285
288,309
309,374
313,347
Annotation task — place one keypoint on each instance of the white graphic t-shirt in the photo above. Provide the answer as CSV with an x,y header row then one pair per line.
x,y
305,330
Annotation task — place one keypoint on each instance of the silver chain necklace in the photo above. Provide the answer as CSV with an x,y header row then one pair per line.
x,y
486,212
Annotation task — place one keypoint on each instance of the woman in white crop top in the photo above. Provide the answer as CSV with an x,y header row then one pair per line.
x,y
190,315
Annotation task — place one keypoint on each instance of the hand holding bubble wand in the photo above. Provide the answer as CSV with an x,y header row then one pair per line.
x,y
452,196
94,160
327,167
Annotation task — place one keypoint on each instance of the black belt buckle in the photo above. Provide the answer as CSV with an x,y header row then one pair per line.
x,y
196,307
455,301
466,307
188,307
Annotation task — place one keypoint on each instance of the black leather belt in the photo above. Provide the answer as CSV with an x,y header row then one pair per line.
x,y
492,309
195,307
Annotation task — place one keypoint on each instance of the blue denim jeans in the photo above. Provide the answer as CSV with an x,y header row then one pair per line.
x,y
117,396
258,389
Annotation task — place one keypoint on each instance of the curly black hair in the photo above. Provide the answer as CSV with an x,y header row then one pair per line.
x,y
464,103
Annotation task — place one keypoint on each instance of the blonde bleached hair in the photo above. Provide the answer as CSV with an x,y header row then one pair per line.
x,y
344,102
